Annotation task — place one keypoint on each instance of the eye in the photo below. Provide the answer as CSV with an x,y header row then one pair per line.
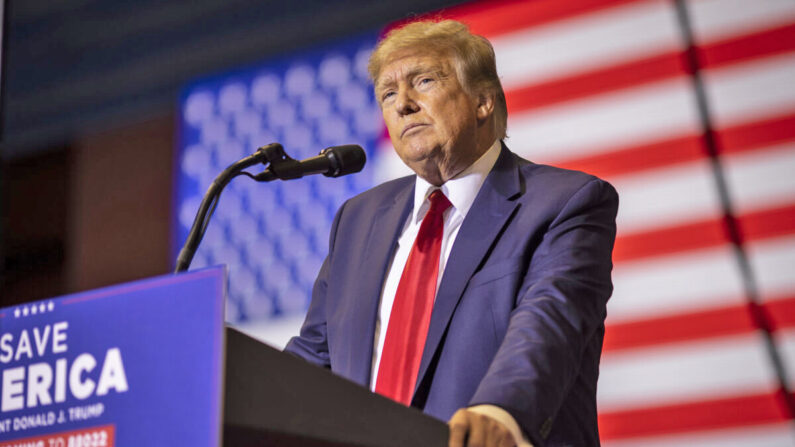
x,y
386,95
426,80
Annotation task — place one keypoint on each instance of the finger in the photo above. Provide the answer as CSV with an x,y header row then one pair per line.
x,y
497,434
494,431
459,425
478,430
505,439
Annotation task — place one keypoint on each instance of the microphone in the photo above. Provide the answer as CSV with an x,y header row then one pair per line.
x,y
334,161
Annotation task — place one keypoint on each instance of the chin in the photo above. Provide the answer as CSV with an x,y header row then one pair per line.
x,y
420,151
411,157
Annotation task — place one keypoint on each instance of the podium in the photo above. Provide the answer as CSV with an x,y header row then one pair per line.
x,y
152,363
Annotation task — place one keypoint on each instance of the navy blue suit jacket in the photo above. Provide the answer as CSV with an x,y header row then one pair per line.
x,y
518,319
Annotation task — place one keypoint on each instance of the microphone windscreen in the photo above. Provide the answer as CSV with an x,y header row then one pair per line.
x,y
346,159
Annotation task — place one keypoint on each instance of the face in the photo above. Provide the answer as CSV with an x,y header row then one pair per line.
x,y
436,127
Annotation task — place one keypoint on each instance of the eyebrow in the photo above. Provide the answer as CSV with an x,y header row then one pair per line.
x,y
414,72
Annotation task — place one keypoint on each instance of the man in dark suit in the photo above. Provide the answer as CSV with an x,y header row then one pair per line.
x,y
475,290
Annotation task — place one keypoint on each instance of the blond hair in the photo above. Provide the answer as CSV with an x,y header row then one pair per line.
x,y
473,57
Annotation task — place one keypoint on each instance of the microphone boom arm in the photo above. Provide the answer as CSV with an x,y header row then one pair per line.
x,y
268,153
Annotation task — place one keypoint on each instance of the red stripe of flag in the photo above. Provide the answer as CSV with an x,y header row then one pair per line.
x,y
703,234
648,70
684,148
781,312
767,223
678,328
495,17
680,238
700,325
640,157
764,43
753,135
616,77
736,411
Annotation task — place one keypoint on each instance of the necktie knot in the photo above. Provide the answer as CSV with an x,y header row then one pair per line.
x,y
439,202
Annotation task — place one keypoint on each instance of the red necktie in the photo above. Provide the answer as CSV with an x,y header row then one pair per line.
x,y
411,311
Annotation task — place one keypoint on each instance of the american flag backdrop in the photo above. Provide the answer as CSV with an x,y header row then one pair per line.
x,y
688,109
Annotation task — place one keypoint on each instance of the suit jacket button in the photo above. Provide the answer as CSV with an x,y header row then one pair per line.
x,y
546,427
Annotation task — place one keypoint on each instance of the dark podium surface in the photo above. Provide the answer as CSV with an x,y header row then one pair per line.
x,y
275,399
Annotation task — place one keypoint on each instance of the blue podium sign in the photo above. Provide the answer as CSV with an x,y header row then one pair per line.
x,y
139,364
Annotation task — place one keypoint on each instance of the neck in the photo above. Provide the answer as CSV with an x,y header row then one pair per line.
x,y
438,174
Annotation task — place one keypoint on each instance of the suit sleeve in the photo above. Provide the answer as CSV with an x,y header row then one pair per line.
x,y
558,322
312,342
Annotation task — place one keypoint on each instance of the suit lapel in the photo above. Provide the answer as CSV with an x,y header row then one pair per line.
x,y
388,221
489,213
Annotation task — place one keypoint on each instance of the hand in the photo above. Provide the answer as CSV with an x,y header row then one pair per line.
x,y
470,429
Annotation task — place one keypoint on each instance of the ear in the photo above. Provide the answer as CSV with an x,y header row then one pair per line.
x,y
485,106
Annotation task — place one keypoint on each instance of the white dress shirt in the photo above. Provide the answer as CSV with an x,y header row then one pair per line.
x,y
461,191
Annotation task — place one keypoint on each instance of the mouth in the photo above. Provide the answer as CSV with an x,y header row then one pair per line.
x,y
410,127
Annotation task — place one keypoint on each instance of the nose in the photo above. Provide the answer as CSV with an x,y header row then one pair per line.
x,y
405,103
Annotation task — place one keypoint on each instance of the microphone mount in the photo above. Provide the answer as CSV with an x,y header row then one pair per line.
x,y
282,166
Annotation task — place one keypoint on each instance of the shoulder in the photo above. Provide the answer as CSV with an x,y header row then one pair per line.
x,y
367,204
384,193
553,175
386,189
553,184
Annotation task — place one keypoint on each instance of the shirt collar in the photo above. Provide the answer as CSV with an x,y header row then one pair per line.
x,y
460,190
